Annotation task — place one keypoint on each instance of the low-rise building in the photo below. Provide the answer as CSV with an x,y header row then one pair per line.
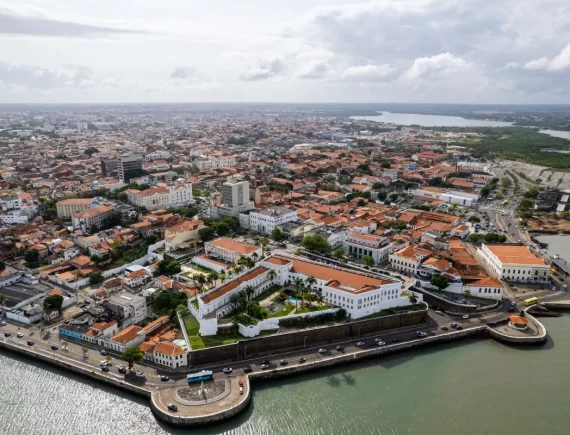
x,y
162,196
127,307
514,263
358,245
408,260
266,220
68,207
230,250
92,218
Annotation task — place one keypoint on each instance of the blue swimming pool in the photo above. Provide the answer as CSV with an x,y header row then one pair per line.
x,y
292,300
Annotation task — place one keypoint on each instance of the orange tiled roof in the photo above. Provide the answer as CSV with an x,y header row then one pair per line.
x,y
127,334
233,245
235,283
168,348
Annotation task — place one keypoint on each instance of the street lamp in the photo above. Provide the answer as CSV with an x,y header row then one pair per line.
x,y
304,342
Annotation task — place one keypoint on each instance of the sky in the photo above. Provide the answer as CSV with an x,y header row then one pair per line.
x,y
440,51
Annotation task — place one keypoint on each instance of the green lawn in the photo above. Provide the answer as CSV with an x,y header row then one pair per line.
x,y
308,309
283,312
191,324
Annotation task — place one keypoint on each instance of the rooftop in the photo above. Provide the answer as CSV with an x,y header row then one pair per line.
x,y
233,245
516,255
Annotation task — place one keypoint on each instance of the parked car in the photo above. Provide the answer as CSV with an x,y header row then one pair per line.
x,y
454,325
421,334
247,369
227,370
377,339
439,312
30,343
380,343
459,327
164,378
105,368
121,370
54,347
283,362
302,359
266,361
172,407
3,323
104,363
361,344
139,374
264,366
466,316
340,348
444,328
7,334
20,335
322,350
241,390
103,352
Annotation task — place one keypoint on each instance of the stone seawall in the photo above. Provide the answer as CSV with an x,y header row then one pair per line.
x,y
202,420
75,368
279,343
366,353
517,340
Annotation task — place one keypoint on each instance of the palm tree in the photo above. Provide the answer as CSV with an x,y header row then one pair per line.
x,y
311,281
213,276
238,269
320,298
255,256
300,287
272,274
223,277
235,324
413,298
242,300
200,279
234,301
249,291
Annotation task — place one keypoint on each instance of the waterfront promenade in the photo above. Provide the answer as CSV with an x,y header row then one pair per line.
x,y
221,399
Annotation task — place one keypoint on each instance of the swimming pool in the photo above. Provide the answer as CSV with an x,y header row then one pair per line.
x,y
292,300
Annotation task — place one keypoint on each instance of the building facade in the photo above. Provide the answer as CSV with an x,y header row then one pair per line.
x,y
266,220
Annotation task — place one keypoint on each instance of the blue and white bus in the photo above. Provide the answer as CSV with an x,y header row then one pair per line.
x,y
204,375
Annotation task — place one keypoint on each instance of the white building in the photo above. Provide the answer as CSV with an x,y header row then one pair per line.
x,y
358,294
137,278
408,260
358,245
266,220
184,233
68,207
514,263
130,308
94,217
215,162
170,354
14,217
446,195
231,251
162,196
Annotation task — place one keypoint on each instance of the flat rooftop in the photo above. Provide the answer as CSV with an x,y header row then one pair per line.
x,y
19,292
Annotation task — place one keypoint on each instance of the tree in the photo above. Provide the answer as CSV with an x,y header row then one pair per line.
x,y
399,225
263,242
531,193
386,165
467,293
311,281
2,266
316,243
132,355
361,203
90,151
31,256
378,186
368,260
474,219
320,298
206,234
413,298
96,277
563,214
339,253
277,234
475,237
200,279
53,302
439,281
213,276
2,301
272,274
168,267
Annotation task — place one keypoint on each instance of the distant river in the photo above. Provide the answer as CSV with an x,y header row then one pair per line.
x,y
446,121
468,388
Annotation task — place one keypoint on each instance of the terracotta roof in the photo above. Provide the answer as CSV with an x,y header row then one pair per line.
x,y
234,246
350,282
127,334
92,212
514,254
75,201
168,348
220,291
486,282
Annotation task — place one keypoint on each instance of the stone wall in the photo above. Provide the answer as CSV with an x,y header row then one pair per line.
x,y
265,346
438,303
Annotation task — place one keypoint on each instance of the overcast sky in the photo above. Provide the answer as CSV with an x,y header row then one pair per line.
x,y
488,51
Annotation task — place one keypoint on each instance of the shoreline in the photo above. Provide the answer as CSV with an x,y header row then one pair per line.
x,y
164,415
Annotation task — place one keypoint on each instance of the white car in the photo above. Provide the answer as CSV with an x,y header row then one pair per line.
x,y
139,374
20,335
103,363
227,370
466,316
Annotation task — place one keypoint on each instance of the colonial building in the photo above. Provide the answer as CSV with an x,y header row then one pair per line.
x,y
162,196
514,263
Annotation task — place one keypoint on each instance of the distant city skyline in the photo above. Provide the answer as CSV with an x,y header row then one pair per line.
x,y
409,51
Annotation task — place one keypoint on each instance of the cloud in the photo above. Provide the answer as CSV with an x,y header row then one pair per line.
x,y
512,65
264,69
442,65
368,73
314,70
183,73
35,77
562,61
13,23
537,64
